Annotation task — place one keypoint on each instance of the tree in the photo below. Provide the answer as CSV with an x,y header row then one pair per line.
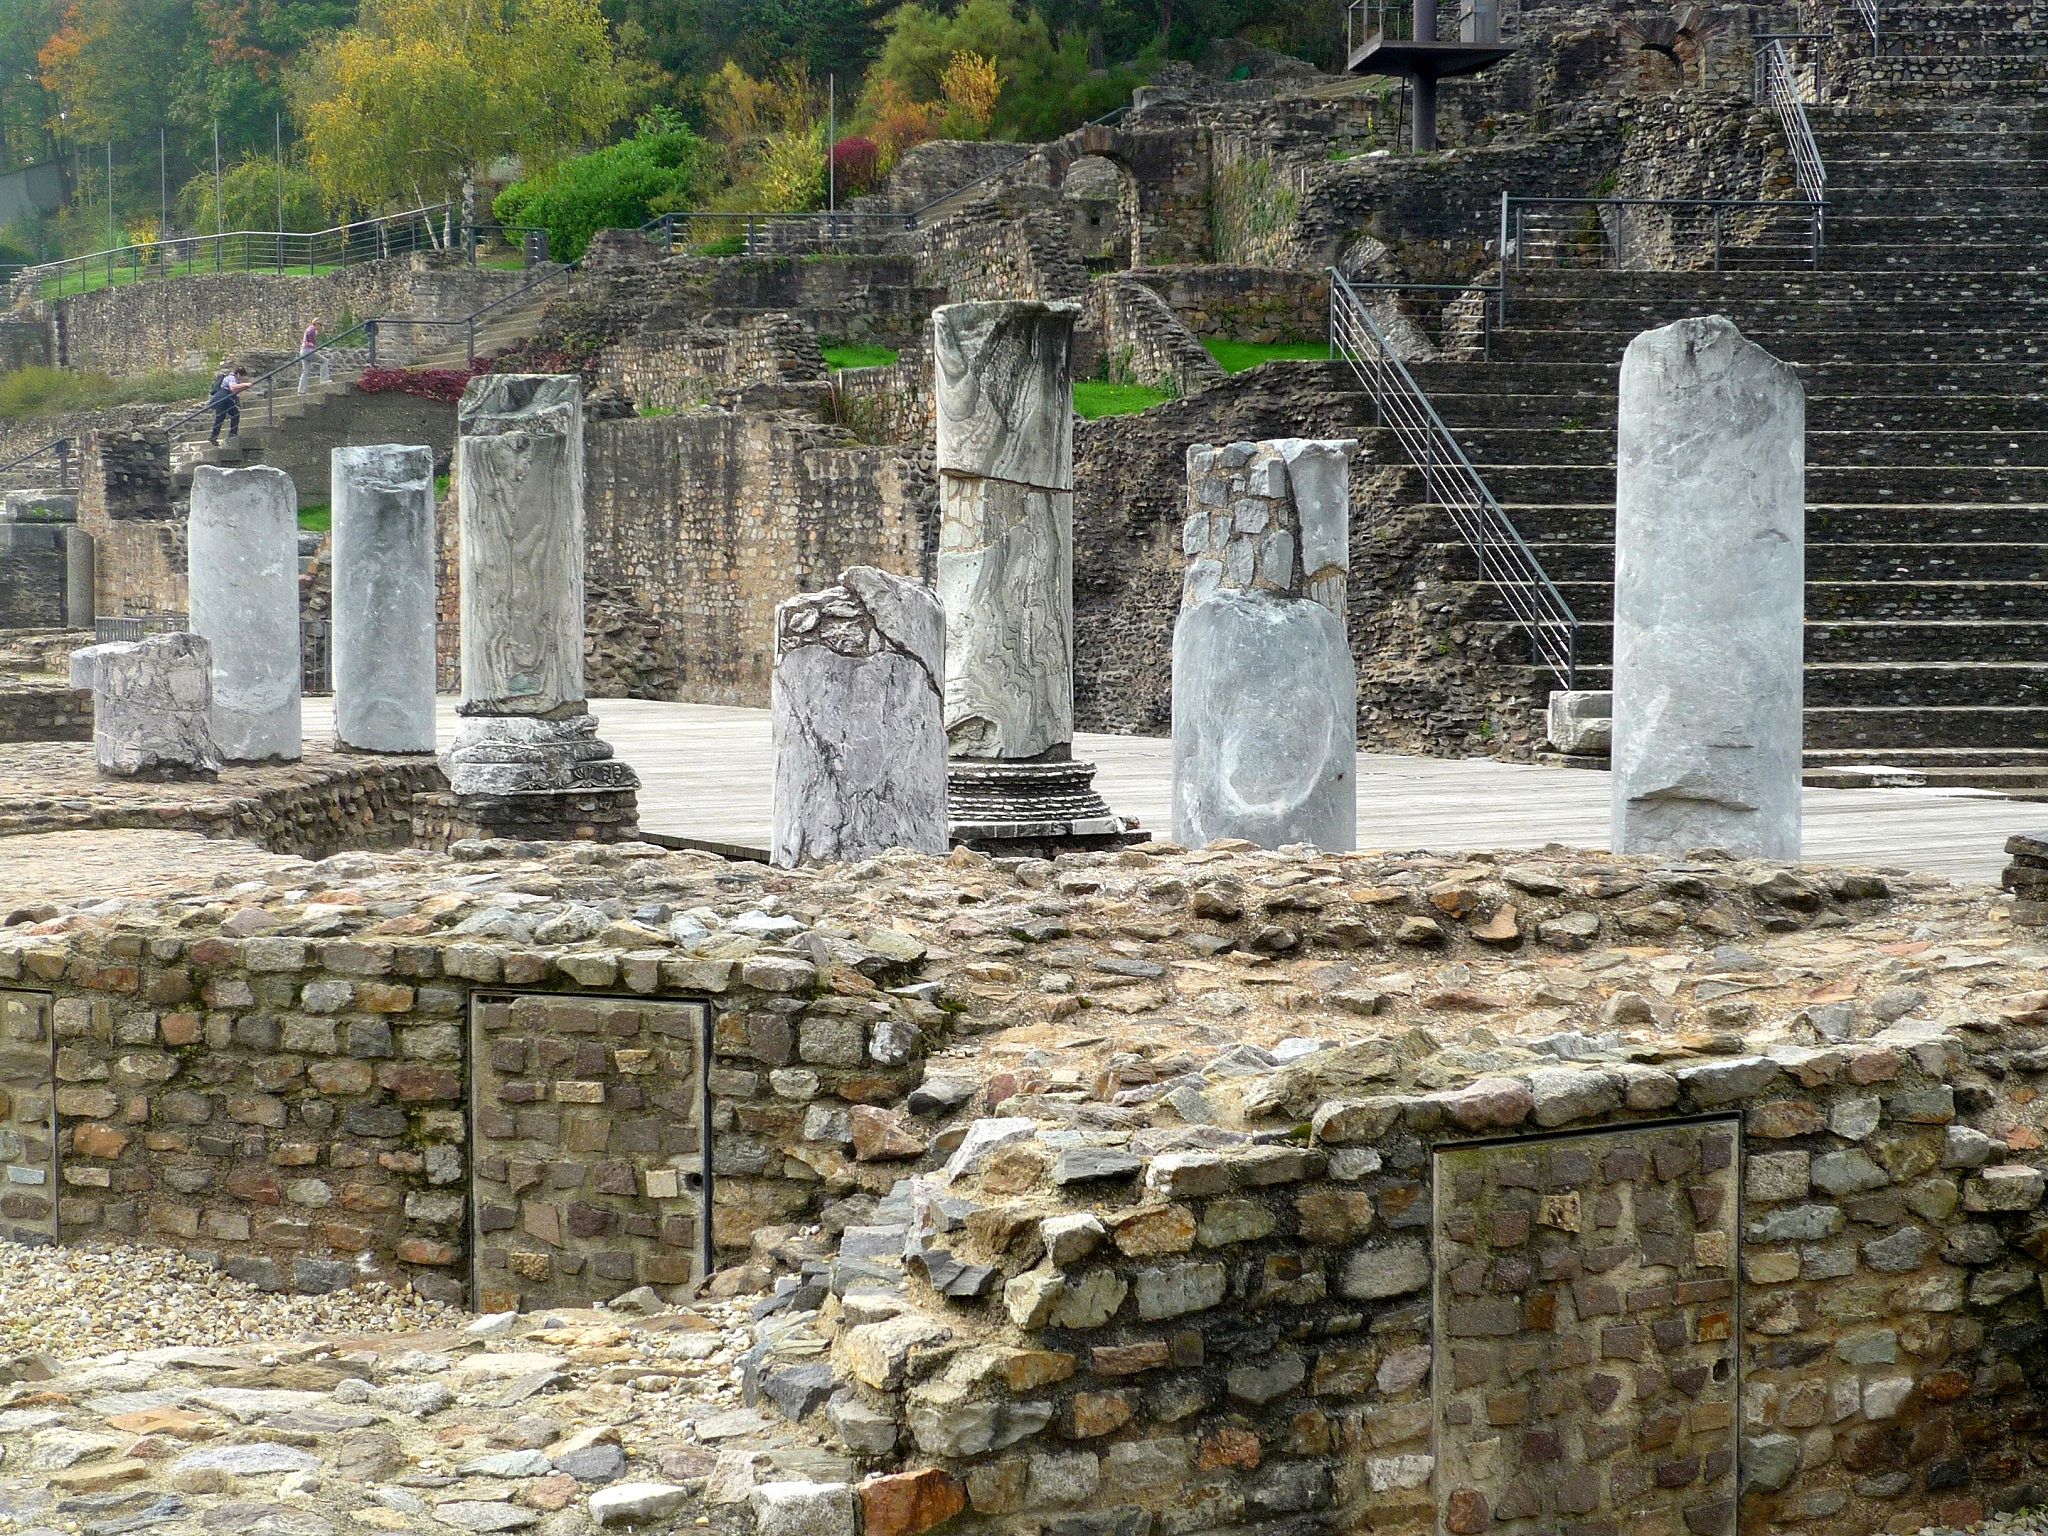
x,y
248,199
971,85
420,96
658,170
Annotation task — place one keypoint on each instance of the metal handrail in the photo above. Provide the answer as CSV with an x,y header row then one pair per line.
x,y
62,449
243,250
1779,90
1394,21
1867,10
469,321
1450,481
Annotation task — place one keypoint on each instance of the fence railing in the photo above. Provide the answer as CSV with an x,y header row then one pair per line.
x,y
136,626
50,466
766,234
1872,23
1778,89
1660,234
243,250
1468,21
468,327
1449,481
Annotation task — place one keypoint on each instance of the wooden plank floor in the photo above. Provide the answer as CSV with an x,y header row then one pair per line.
x,y
705,773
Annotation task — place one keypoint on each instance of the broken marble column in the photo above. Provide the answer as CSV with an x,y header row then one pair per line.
x,y
1003,374
242,574
859,721
1265,693
383,505
152,702
527,758
1709,595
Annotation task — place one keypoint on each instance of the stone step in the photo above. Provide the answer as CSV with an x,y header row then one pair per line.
x,y
1825,449
1939,759
1589,412
1851,169
2018,76
1930,345
1901,685
1896,640
1554,376
1856,199
1908,487
1771,314
1882,730
1593,560
1866,600
2015,256
2019,523
1934,286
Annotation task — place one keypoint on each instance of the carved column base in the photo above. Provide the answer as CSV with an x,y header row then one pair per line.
x,y
1030,809
519,777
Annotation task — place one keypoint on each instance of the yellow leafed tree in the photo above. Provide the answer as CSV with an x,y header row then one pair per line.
x,y
419,96
971,87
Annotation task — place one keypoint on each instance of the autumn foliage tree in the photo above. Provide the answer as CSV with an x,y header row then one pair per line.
x,y
420,96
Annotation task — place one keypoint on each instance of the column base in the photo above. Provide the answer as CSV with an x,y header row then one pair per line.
x,y
1032,809
595,816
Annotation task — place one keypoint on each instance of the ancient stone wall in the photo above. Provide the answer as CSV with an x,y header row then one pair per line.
x,y
1015,247
891,404
187,322
303,446
326,804
1260,304
32,575
43,708
138,534
1135,338
24,344
711,517
668,371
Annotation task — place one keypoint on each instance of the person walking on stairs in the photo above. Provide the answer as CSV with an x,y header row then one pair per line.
x,y
309,347
226,401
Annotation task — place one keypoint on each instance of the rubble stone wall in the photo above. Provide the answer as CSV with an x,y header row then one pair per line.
x,y
124,503
1261,304
1142,341
43,709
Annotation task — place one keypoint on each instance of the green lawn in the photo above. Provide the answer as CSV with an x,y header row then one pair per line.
x,y
1094,399
847,354
319,519
75,280
1237,356
41,391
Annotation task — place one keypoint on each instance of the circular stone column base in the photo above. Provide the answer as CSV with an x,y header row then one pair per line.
x,y
1030,809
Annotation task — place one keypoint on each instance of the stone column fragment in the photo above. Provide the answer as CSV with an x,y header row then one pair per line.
x,y
243,585
152,702
383,503
860,739
1004,385
1265,693
527,757
1709,595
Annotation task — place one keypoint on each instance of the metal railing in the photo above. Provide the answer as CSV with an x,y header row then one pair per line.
x,y
767,234
1660,234
136,626
52,465
243,250
1778,89
1867,11
1469,21
1450,481
470,325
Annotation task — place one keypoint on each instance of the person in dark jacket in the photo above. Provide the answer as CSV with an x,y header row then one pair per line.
x,y
227,402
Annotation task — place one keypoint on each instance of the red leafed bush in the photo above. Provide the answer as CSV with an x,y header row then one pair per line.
x,y
428,383
855,160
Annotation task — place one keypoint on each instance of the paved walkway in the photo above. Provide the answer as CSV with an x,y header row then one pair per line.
x,y
705,773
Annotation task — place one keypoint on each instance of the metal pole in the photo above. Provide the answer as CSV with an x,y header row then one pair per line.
x,y
163,191
219,218
277,142
111,240
831,141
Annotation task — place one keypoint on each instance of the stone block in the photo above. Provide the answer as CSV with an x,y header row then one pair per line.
x,y
1709,595
242,580
1580,722
152,707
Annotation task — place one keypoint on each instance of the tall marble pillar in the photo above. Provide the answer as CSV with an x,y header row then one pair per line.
x,y
383,504
152,705
1265,693
242,576
860,738
1004,384
527,759
1709,595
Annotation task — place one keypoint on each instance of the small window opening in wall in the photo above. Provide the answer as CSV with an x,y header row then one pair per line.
x,y
590,1146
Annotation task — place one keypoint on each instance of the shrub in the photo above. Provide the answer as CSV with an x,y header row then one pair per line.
x,y
427,383
659,169
855,163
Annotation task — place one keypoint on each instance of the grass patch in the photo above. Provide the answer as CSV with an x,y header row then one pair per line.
x,y
57,391
1237,356
846,354
318,519
1095,398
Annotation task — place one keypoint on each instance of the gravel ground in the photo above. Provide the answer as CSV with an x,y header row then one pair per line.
x,y
83,1301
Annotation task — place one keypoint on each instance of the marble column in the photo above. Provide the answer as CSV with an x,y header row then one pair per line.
x,y
1265,693
242,572
860,739
1709,595
383,504
152,702
1003,374
527,756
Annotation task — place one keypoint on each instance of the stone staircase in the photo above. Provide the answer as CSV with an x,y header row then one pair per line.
x,y
1921,344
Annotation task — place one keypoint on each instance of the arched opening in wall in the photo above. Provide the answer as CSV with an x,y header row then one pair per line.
x,y
1101,199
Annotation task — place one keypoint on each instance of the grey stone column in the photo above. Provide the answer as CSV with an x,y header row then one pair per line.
x,y
1709,595
383,503
242,574
152,702
860,739
527,756
1265,693
1003,374
79,607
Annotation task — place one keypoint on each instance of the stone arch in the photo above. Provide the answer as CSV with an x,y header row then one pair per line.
x,y
1101,199
1166,173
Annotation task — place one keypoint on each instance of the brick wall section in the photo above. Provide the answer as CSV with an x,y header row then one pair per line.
x,y
1212,1337
28,1155
124,502
43,709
